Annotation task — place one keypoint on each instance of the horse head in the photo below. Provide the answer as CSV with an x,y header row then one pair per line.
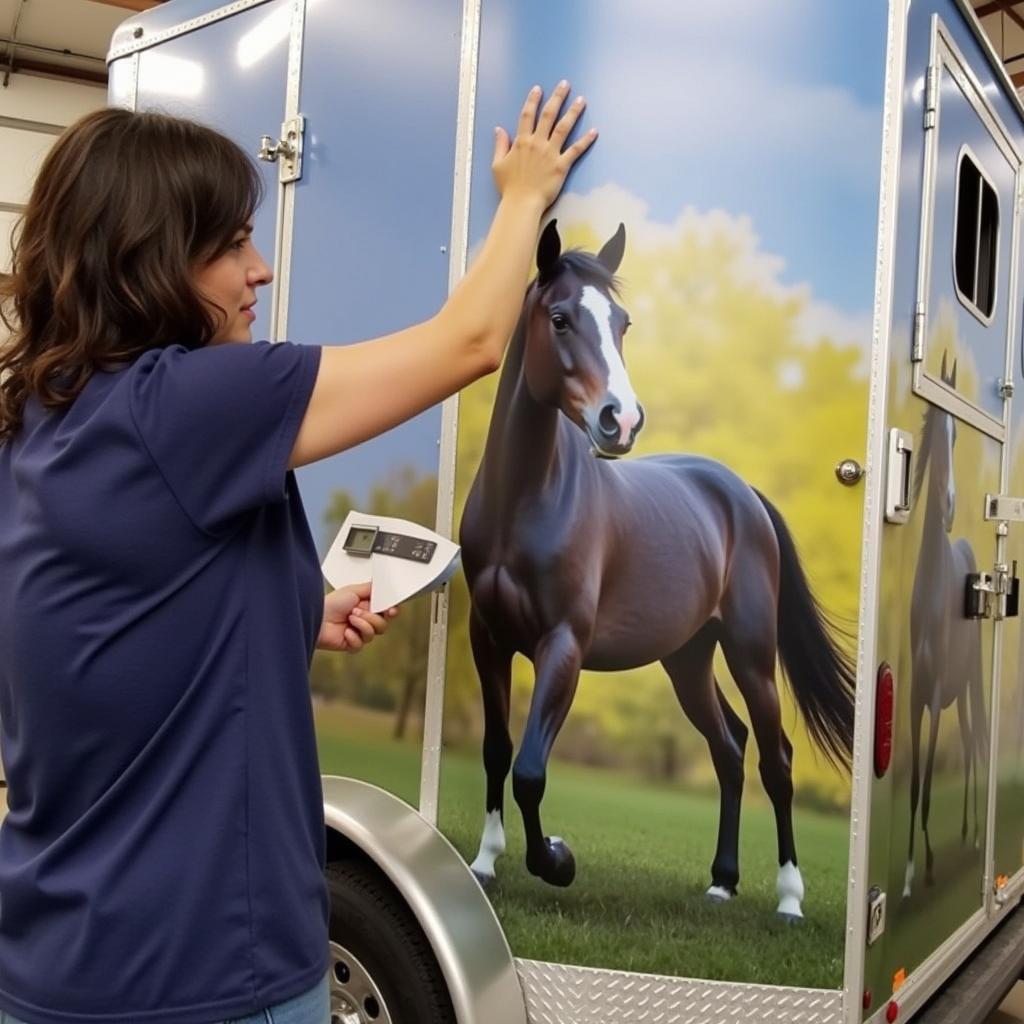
x,y
574,329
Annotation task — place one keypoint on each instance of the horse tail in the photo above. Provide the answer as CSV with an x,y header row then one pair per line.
x,y
820,673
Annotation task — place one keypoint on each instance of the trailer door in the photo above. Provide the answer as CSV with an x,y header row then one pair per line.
x,y
953,417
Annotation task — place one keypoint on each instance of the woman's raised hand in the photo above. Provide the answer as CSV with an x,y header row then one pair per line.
x,y
535,165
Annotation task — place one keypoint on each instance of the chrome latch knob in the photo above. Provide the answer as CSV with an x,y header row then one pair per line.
x,y
849,472
271,149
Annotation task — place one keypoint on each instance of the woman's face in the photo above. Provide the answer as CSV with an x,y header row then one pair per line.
x,y
230,282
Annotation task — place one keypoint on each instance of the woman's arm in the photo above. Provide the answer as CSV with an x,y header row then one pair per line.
x,y
364,389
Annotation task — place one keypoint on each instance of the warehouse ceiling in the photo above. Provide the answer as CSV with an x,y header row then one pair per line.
x,y
69,38
1003,21
65,38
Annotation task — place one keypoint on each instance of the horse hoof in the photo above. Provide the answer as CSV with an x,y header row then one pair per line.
x,y
557,865
718,894
791,919
485,880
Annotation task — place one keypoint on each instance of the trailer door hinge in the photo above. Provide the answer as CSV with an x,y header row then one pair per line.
x,y
286,151
931,96
917,351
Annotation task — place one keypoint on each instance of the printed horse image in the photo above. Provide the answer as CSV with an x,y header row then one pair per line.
x,y
945,646
589,563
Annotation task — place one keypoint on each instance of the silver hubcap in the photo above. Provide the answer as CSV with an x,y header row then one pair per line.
x,y
355,998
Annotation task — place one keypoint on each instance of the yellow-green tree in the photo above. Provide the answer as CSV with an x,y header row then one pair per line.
x,y
390,673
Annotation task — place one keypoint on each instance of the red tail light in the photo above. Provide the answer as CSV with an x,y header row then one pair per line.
x,y
883,719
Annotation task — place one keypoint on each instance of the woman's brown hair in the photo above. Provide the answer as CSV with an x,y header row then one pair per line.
x,y
125,208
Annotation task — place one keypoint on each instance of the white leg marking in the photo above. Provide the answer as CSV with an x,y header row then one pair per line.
x,y
716,892
492,846
790,887
908,881
598,306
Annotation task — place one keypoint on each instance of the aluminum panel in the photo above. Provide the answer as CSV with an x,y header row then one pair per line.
x,y
369,255
232,77
559,994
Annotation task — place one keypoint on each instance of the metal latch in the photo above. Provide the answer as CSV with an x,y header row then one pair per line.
x,y
898,476
993,595
1005,508
287,149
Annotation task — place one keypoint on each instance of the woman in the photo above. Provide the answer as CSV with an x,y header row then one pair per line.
x,y
160,594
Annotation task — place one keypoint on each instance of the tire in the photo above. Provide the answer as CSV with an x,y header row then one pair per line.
x,y
383,970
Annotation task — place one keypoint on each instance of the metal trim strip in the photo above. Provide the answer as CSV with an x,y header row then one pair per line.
x,y
140,41
874,515
433,712
925,979
940,394
992,907
284,230
944,54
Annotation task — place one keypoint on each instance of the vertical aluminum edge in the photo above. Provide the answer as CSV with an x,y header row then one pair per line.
x,y
433,713
874,507
285,223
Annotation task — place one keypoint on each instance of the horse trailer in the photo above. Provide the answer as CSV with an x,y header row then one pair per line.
x,y
766,543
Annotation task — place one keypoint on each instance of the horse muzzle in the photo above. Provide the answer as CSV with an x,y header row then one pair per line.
x,y
613,433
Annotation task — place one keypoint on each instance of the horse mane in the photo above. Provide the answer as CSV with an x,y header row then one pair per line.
x,y
929,419
587,266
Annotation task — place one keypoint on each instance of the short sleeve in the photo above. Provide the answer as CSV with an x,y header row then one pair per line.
x,y
220,422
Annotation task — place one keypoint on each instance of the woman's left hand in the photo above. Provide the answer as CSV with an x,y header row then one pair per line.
x,y
348,624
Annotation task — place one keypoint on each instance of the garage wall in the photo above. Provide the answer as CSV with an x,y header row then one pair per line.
x,y
33,110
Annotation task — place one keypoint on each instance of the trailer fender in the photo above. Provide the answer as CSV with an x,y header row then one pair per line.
x,y
440,890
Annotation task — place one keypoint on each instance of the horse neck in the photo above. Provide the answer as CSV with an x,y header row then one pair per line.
x,y
521,452
934,529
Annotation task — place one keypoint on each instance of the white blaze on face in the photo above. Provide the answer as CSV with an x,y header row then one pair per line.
x,y
598,306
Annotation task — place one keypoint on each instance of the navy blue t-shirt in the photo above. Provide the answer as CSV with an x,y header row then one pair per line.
x,y
160,599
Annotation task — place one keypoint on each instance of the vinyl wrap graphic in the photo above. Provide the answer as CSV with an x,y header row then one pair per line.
x,y
698,317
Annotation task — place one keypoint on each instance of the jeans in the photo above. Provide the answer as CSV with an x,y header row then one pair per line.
x,y
312,1007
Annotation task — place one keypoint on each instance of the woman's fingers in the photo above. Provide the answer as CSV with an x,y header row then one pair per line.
x,y
528,116
501,145
377,623
552,109
568,121
578,148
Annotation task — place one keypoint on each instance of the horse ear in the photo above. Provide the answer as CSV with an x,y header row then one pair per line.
x,y
942,369
549,248
952,375
612,251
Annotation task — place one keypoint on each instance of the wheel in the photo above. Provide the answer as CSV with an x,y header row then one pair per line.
x,y
383,970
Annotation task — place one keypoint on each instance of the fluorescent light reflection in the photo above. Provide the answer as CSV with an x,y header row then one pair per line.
x,y
170,76
266,35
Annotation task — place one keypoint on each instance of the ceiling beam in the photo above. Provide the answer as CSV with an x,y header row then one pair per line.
x,y
38,67
1005,7
131,5
996,5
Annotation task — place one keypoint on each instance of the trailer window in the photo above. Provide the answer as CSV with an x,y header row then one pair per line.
x,y
975,239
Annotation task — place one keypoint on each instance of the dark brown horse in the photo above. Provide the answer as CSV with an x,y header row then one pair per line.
x,y
586,563
945,646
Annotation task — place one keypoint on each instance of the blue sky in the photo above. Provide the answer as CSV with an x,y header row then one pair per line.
x,y
764,109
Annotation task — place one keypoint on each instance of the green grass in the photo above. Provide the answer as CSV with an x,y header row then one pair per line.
x,y
643,854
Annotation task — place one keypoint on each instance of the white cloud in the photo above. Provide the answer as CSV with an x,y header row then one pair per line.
x,y
603,208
